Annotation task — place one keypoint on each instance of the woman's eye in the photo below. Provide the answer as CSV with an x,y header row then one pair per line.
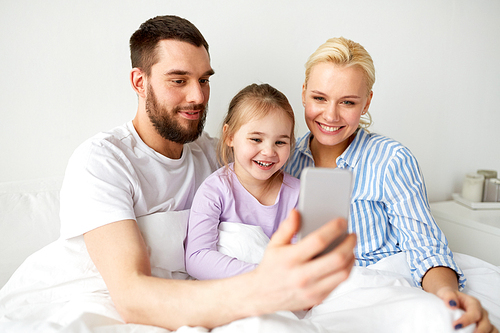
x,y
348,103
319,98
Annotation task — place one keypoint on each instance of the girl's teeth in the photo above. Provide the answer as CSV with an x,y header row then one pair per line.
x,y
263,164
329,128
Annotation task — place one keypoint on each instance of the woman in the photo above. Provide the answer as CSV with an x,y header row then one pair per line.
x,y
389,210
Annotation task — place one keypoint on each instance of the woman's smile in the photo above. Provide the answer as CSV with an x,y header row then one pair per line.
x,y
329,129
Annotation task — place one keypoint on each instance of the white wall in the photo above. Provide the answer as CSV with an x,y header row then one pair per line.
x,y
65,65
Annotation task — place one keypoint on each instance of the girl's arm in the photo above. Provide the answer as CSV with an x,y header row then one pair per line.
x,y
203,260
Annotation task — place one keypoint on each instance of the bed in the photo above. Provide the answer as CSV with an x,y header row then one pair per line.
x,y
38,292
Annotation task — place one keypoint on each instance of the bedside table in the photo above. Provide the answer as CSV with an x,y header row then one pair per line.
x,y
469,231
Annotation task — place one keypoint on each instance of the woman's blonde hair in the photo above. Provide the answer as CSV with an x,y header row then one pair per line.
x,y
252,102
344,52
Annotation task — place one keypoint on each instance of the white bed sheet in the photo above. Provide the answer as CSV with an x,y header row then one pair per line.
x,y
48,293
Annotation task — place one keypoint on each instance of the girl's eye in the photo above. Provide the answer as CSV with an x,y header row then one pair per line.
x,y
256,140
281,143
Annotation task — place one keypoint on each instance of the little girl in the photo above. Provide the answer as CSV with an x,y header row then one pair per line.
x,y
256,140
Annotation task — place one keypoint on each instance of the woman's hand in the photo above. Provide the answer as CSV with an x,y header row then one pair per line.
x,y
474,312
442,282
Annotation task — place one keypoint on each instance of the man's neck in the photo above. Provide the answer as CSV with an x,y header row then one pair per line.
x,y
155,141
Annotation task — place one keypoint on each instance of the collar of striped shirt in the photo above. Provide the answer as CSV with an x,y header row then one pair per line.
x,y
349,157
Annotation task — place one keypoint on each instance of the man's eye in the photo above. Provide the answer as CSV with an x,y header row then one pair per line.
x,y
204,81
178,81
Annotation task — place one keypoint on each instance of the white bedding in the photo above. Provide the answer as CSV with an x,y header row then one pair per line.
x,y
48,293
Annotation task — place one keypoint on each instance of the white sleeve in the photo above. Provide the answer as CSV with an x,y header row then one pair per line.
x,y
98,189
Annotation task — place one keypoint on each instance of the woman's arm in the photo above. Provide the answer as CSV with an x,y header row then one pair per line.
x,y
427,244
409,212
288,277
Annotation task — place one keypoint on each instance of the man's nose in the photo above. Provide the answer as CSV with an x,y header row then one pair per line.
x,y
195,94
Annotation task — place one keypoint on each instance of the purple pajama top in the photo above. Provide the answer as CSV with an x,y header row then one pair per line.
x,y
222,198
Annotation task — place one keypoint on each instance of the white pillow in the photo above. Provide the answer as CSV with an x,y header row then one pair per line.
x,y
242,241
29,220
164,234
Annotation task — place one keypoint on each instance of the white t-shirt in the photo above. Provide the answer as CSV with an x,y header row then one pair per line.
x,y
115,176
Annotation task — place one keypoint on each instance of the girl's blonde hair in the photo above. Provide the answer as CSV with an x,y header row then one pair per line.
x,y
252,102
344,52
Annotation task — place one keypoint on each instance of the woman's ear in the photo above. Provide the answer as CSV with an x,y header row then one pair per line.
x,y
138,82
304,94
368,101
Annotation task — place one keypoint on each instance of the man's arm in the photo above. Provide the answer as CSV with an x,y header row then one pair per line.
x,y
286,279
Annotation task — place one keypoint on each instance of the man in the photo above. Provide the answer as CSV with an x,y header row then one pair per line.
x,y
155,164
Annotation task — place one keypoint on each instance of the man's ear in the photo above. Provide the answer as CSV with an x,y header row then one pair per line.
x,y
138,81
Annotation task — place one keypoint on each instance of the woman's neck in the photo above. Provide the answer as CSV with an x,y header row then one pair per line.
x,y
326,156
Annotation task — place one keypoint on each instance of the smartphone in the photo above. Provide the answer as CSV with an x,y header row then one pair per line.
x,y
325,194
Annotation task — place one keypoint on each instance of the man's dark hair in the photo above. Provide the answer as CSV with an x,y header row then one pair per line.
x,y
144,41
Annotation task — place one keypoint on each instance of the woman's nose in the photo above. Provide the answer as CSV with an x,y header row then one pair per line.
x,y
331,113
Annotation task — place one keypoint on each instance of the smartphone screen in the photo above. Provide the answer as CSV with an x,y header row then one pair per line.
x,y
325,194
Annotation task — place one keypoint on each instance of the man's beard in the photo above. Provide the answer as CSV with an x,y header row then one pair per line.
x,y
167,126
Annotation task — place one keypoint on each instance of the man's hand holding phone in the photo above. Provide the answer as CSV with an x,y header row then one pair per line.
x,y
301,275
292,275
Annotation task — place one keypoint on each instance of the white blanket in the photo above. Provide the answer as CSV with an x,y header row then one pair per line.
x,y
58,289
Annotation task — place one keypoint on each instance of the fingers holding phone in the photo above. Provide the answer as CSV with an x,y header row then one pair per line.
x,y
294,274
322,260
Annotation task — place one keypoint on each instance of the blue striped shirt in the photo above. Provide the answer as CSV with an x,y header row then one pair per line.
x,y
390,212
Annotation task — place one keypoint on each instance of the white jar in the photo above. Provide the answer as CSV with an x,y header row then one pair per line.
x,y
472,188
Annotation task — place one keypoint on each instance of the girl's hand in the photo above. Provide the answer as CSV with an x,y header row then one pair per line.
x,y
474,312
